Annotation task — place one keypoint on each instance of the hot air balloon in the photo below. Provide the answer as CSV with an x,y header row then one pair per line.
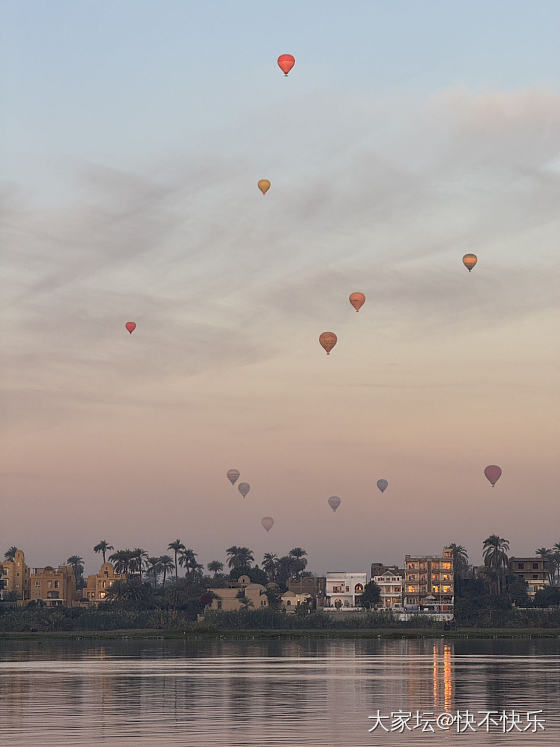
x,y
382,485
334,502
493,473
232,475
357,300
244,488
286,63
267,523
131,326
263,185
328,341
470,260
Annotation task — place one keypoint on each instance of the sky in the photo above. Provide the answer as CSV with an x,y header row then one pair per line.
x,y
133,136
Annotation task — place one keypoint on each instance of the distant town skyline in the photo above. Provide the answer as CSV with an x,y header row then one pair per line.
x,y
403,138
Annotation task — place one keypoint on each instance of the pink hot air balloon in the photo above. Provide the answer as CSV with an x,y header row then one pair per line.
x,y
244,488
493,473
267,523
131,326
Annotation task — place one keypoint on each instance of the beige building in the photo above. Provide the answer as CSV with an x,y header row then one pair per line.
x,y
229,599
98,584
429,581
55,587
291,600
15,577
390,589
532,570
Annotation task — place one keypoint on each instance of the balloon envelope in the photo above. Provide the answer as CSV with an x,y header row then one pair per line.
x,y
131,326
263,185
286,63
334,502
267,523
382,485
493,473
233,475
328,341
470,260
244,488
357,300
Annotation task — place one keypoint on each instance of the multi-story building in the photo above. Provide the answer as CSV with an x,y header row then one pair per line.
x,y
98,584
344,590
429,576
532,570
311,586
15,577
231,598
377,569
391,588
55,587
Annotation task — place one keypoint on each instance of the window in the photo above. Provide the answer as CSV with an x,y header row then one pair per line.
x,y
347,588
49,584
358,589
535,566
219,604
56,584
37,584
535,575
521,565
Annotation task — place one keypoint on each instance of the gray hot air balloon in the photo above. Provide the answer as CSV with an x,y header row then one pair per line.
x,y
267,523
233,475
382,485
244,488
334,502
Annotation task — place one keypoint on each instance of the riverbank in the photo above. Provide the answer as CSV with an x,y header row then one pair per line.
x,y
388,633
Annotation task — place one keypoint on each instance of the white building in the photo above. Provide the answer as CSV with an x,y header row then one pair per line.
x,y
391,588
343,590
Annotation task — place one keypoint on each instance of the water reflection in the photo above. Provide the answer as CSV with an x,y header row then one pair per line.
x,y
301,692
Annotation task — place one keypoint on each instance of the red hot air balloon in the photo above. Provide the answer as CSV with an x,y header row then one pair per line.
x,y
286,63
131,326
328,341
357,300
493,473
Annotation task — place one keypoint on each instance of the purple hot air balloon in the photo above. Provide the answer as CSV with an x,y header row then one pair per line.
x,y
493,473
244,488
267,523
334,502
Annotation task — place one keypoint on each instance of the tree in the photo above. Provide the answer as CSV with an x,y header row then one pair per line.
x,y
121,561
299,561
460,564
77,564
177,546
215,567
495,557
239,557
370,595
270,565
548,556
137,560
102,547
154,567
187,560
10,553
166,565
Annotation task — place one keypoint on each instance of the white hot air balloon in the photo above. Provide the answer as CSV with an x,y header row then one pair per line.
x,y
268,523
334,502
233,475
244,488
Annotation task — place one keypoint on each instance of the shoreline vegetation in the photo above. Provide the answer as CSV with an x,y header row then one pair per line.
x,y
200,631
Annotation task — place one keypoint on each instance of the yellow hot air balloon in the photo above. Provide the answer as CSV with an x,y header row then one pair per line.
x,y
470,260
263,185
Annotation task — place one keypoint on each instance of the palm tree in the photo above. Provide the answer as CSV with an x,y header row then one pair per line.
x,y
166,566
10,553
187,560
102,547
177,546
460,564
137,559
215,567
239,557
77,564
269,564
556,559
298,554
548,556
154,567
495,556
121,561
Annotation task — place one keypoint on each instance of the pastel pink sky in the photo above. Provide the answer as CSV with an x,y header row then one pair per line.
x,y
128,438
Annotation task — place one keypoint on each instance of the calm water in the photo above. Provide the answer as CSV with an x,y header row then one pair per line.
x,y
256,693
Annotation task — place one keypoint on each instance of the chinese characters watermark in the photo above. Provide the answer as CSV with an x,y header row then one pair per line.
x,y
459,721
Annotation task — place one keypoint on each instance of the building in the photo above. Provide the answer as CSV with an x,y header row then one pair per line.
x,y
98,584
311,586
391,588
429,576
55,587
377,569
532,570
291,600
230,598
15,577
344,590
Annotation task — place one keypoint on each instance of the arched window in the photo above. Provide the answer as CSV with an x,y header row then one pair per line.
x,y
358,589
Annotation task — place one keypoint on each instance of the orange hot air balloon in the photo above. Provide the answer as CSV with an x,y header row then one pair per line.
x,y
470,260
286,63
328,341
263,185
357,300
131,326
